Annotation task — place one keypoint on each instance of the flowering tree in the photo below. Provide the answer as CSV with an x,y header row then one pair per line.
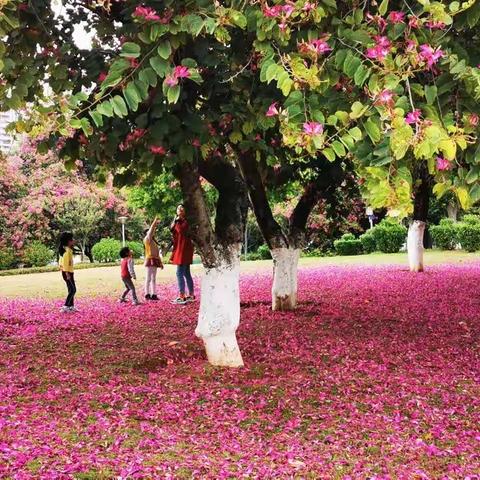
x,y
40,198
198,87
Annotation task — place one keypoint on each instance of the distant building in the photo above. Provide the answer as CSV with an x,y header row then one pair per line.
x,y
7,140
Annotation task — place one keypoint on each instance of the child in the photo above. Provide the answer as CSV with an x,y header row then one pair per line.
x,y
65,250
128,273
153,261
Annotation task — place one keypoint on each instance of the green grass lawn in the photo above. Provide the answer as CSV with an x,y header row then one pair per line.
x,y
106,280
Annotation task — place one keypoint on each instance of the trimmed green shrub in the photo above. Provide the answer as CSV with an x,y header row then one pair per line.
x,y
369,244
8,259
107,250
137,249
471,219
36,254
468,235
348,245
264,252
445,235
389,236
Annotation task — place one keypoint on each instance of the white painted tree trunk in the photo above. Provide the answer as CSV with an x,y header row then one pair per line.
x,y
285,278
219,314
415,245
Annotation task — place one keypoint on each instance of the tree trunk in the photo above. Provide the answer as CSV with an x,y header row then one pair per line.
x,y
416,231
219,313
285,278
415,245
452,211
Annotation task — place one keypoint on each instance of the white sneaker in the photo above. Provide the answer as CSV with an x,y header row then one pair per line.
x,y
73,309
65,309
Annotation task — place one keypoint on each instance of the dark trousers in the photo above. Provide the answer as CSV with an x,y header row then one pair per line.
x,y
72,288
183,274
129,287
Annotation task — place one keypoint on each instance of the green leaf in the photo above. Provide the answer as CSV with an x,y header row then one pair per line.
x,y
356,133
430,93
339,148
373,130
401,137
186,152
97,118
382,9
173,94
130,50
119,106
475,193
132,96
329,154
271,72
358,109
472,175
164,50
439,189
463,197
148,76
238,18
361,75
352,63
105,108
159,65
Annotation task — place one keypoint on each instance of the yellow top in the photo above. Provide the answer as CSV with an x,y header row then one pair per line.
x,y
66,260
151,248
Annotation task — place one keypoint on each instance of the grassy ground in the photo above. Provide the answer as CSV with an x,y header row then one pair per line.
x,y
106,280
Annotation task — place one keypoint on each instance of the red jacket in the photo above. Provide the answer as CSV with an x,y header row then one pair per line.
x,y
182,253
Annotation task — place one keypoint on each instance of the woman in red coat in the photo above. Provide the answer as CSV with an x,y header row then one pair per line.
x,y
182,256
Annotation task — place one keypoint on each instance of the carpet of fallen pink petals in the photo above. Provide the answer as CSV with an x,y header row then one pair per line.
x,y
377,375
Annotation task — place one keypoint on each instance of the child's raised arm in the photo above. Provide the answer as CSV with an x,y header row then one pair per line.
x,y
152,228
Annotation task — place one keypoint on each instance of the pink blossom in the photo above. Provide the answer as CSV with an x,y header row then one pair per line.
x,y
385,97
443,164
430,55
413,117
313,128
318,47
413,22
473,119
380,50
288,9
396,17
181,72
309,6
146,13
102,77
196,142
158,150
435,25
171,80
272,110
272,12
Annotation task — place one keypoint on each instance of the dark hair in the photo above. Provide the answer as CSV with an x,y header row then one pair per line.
x,y
124,252
146,231
65,237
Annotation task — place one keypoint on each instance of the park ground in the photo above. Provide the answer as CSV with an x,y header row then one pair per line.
x,y
376,375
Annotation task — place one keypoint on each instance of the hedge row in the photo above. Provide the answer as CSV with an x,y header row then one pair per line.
x,y
386,237
466,234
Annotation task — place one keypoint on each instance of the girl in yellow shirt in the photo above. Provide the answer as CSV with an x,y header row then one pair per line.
x,y
65,251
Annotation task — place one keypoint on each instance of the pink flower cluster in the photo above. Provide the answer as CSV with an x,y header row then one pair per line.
x,y
147,14
132,138
377,380
381,49
443,164
312,128
178,72
318,46
430,55
413,117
